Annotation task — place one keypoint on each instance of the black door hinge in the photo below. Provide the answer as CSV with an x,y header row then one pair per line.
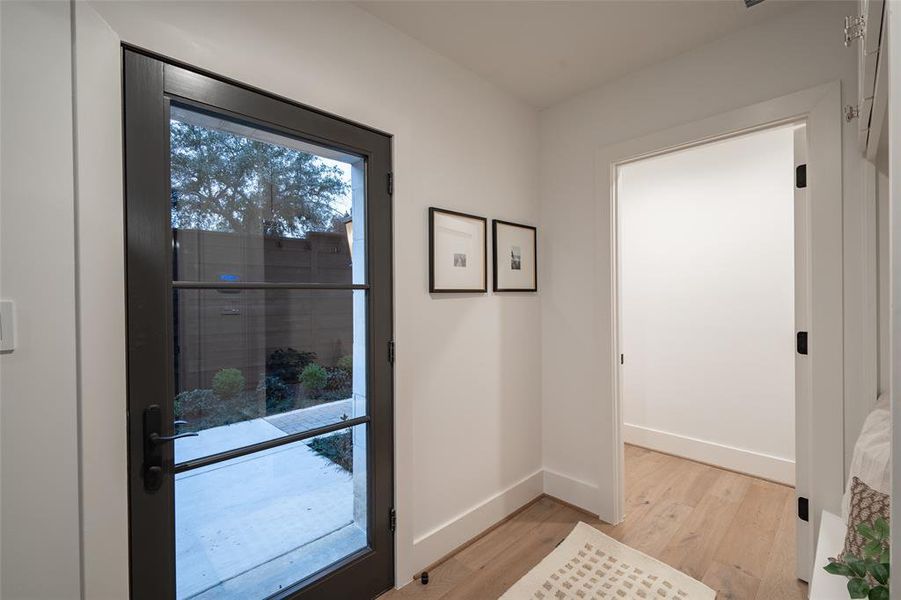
x,y
802,342
803,509
801,176
622,359
390,184
391,352
392,520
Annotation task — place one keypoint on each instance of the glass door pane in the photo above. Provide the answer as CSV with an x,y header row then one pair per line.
x,y
254,525
252,365
269,325
251,205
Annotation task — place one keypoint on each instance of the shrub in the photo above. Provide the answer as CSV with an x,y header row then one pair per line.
x,y
287,363
346,363
279,396
228,383
337,447
314,377
339,380
194,403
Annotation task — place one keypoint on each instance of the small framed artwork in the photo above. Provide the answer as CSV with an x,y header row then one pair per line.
x,y
458,252
515,257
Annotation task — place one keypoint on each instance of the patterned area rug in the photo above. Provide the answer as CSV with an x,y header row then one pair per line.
x,y
589,565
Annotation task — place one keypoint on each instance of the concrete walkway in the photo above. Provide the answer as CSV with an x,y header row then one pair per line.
x,y
305,419
255,524
246,433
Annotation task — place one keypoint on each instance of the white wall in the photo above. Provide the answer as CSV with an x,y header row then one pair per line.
x,y
468,376
759,63
707,303
39,520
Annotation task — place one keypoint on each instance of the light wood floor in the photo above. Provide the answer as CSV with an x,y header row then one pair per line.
x,y
733,532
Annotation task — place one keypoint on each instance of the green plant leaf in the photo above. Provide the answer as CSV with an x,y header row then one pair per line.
x,y
879,572
857,566
880,592
837,568
886,556
882,528
873,549
858,588
868,532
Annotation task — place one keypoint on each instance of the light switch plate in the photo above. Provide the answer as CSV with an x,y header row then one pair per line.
x,y
7,326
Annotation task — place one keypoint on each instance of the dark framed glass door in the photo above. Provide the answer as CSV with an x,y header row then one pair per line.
x,y
260,413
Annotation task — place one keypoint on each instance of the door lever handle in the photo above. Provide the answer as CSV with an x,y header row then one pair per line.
x,y
155,438
153,467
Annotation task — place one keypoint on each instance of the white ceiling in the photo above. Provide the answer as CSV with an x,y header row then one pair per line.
x,y
546,51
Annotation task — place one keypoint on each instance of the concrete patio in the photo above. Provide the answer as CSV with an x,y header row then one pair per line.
x,y
250,526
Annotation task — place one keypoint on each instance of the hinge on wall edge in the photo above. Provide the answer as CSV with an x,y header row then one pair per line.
x,y
801,176
392,520
803,508
390,183
391,352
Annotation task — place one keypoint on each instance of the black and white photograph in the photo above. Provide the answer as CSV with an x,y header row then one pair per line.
x,y
515,257
458,248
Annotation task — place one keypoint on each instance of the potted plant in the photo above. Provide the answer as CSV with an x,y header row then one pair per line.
x,y
868,576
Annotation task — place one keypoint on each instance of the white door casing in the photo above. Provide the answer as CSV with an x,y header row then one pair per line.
x,y
805,545
819,377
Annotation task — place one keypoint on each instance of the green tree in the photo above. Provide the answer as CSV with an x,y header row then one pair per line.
x,y
227,182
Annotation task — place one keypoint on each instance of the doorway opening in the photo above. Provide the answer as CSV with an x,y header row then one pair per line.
x,y
712,291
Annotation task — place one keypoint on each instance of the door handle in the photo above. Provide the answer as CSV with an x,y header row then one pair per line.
x,y
153,441
156,438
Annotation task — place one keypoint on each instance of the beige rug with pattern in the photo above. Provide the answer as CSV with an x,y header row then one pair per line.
x,y
589,564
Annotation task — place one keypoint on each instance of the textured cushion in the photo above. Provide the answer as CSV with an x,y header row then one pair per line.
x,y
867,505
871,462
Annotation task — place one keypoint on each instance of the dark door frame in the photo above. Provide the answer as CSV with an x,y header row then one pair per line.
x,y
150,83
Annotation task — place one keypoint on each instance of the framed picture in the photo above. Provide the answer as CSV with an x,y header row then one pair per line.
x,y
458,250
515,249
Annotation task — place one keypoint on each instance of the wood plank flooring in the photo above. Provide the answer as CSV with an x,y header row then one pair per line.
x,y
733,532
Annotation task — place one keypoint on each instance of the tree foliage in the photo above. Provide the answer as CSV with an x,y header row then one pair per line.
x,y
227,182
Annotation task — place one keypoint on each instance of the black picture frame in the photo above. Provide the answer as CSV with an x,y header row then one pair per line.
x,y
434,288
494,251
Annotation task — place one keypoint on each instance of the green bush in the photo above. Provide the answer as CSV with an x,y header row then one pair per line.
x,y
190,405
338,448
346,363
279,396
314,377
287,363
228,383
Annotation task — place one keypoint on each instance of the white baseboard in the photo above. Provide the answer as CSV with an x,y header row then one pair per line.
x,y
735,459
579,493
448,536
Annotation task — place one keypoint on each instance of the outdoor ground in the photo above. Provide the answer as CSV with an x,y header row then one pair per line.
x,y
252,525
